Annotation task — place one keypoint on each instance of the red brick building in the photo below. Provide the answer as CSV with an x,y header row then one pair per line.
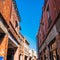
x,y
49,31
11,41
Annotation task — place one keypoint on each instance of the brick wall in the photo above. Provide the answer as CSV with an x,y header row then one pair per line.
x,y
6,9
58,44
14,19
53,9
4,47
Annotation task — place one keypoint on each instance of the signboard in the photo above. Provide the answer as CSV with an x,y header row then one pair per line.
x,y
1,58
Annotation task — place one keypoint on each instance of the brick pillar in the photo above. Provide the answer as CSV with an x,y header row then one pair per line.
x,y
28,58
48,53
43,55
35,58
4,47
58,44
22,57
16,54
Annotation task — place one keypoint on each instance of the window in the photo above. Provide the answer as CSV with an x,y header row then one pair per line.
x,y
48,12
2,35
45,54
16,23
53,52
41,56
49,17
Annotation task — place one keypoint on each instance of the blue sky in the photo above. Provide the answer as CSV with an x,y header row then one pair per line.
x,y
30,12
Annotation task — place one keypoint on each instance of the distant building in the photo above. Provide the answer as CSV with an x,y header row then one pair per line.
x,y
29,54
33,55
49,31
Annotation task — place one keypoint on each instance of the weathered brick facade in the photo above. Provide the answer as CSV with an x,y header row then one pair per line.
x,y
49,31
5,7
11,41
4,47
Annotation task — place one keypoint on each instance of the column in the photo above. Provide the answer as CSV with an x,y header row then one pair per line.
x,y
58,45
27,58
48,55
20,57
16,54
4,47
